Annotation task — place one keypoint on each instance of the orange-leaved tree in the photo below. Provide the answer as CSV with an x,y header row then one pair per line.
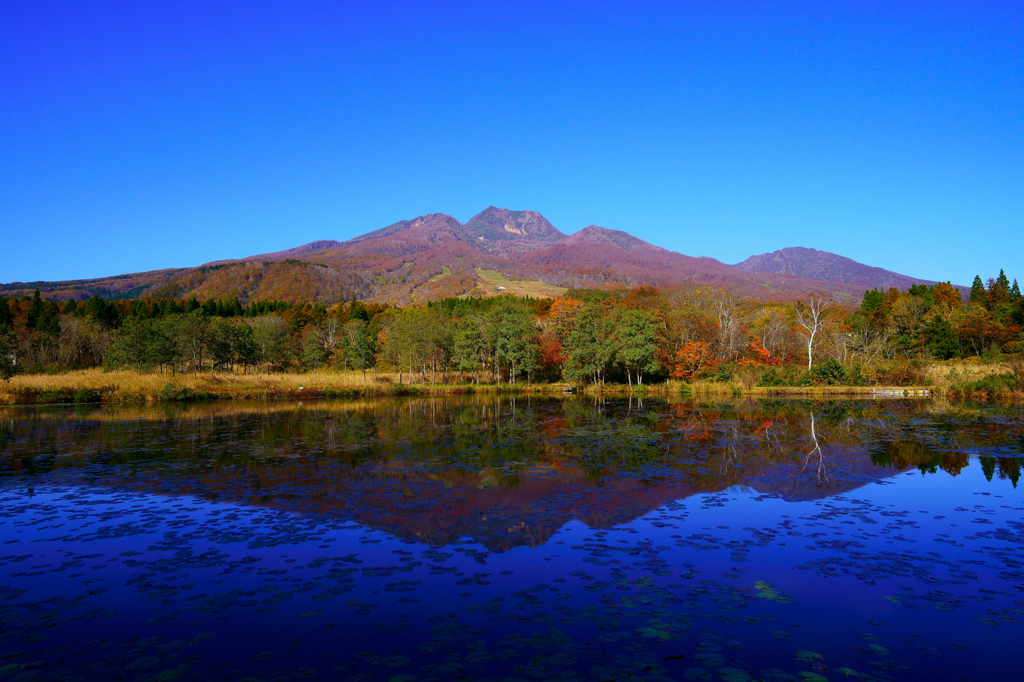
x,y
551,356
692,358
758,355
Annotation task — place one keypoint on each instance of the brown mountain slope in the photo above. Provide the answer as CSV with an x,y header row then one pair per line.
x,y
827,267
295,252
408,236
293,281
621,258
435,255
116,287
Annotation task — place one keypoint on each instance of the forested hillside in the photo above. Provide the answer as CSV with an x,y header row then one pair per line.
x,y
583,336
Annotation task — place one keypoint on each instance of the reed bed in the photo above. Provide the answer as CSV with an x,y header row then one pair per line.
x,y
95,385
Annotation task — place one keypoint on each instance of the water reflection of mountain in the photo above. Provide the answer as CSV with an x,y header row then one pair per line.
x,y
503,471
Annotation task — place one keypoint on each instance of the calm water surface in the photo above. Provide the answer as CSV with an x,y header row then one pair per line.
x,y
485,538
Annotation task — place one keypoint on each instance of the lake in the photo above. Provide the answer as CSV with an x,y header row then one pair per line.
x,y
485,537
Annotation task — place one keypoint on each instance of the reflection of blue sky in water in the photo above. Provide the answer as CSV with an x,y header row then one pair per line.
x,y
911,577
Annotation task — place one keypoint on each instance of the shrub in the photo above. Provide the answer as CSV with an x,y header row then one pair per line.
x,y
343,392
53,397
748,377
829,372
899,374
705,374
724,374
87,395
992,385
857,376
785,376
173,392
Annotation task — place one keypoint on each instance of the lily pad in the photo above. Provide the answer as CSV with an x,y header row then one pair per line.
x,y
733,675
711,660
849,672
813,677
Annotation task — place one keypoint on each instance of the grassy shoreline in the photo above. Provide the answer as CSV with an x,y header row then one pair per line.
x,y
97,386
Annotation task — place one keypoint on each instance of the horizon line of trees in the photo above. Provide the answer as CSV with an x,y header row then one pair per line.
x,y
585,336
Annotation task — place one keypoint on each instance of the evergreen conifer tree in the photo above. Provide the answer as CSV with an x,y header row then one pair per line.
x,y
49,322
6,317
940,340
873,298
8,348
978,291
35,310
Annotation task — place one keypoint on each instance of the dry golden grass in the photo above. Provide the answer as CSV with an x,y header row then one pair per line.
x,y
149,387
944,374
120,387
490,280
154,381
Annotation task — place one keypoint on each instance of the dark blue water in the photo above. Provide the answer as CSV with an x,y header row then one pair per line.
x,y
513,540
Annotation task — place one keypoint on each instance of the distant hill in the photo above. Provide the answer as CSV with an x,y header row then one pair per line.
x,y
827,267
434,256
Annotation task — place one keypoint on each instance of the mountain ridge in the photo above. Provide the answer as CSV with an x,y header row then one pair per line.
x,y
434,255
811,263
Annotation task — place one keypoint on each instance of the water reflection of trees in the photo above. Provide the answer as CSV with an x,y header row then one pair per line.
x,y
499,441
505,470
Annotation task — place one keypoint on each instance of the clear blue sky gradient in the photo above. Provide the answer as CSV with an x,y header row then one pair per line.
x,y
143,135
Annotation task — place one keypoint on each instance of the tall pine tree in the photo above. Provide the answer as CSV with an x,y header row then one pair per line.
x,y
6,318
978,294
35,310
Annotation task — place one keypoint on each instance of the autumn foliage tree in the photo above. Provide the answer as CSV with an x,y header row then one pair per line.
x,y
692,358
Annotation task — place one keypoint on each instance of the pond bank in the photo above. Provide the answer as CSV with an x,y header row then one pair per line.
x,y
95,386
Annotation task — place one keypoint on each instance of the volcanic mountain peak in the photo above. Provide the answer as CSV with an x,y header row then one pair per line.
x,y
603,235
825,266
504,230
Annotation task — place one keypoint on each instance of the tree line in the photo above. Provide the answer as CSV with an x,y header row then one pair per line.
x,y
585,336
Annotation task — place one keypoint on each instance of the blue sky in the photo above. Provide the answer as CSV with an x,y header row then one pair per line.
x,y
136,136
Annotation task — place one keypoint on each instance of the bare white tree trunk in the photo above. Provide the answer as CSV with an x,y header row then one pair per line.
x,y
811,318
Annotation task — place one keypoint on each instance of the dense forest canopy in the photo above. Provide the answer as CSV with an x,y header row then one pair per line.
x,y
585,336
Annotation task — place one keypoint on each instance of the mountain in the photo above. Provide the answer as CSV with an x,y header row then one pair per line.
x,y
500,230
592,234
827,267
407,236
435,256
319,245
